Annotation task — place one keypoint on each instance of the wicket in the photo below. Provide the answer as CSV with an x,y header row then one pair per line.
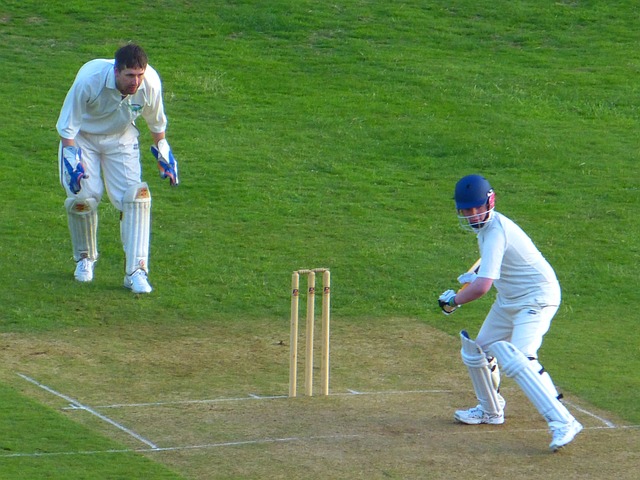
x,y
293,359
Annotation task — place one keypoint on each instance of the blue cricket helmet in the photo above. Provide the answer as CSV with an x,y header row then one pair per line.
x,y
474,191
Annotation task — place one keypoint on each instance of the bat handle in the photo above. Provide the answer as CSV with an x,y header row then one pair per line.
x,y
451,309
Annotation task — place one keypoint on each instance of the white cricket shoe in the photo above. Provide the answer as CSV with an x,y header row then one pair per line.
x,y
563,433
476,416
137,282
84,270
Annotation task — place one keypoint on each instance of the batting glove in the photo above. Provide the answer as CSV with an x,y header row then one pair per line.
x,y
167,164
468,277
447,302
73,168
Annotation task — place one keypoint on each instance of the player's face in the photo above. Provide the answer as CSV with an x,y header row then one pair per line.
x,y
475,215
128,80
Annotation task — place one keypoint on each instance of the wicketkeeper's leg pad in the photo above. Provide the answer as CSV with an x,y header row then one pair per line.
x,y
517,366
82,216
135,227
480,372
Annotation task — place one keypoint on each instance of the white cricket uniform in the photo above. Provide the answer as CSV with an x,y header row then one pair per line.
x,y
102,123
528,289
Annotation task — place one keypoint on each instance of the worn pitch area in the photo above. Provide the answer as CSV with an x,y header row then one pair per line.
x,y
210,398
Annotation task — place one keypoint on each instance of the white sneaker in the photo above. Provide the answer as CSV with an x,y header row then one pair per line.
x,y
84,270
563,433
476,416
137,282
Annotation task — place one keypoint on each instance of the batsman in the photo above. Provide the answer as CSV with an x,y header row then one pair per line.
x,y
528,297
99,139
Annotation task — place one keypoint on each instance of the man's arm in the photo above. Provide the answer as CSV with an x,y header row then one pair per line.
x,y
157,137
478,288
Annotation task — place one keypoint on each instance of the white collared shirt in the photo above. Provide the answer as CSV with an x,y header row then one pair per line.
x,y
94,105
514,263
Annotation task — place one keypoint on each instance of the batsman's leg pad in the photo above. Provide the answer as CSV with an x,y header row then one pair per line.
x,y
517,366
545,377
135,227
82,216
481,376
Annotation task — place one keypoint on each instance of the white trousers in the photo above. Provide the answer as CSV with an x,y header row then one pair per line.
x,y
522,324
116,158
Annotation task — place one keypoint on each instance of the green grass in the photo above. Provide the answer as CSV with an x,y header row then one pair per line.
x,y
37,440
314,134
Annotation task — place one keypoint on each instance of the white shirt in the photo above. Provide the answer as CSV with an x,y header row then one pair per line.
x,y
94,104
516,266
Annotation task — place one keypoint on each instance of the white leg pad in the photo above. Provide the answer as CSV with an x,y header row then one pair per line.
x,y
135,227
517,366
83,226
481,376
545,377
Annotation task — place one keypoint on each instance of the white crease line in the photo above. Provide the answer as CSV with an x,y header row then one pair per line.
x,y
78,405
586,412
263,441
186,447
390,392
187,402
253,396
351,392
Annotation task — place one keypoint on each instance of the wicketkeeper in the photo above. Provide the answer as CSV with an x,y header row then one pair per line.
x,y
528,297
99,139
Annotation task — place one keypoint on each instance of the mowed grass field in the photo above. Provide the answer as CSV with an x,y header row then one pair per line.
x,y
318,135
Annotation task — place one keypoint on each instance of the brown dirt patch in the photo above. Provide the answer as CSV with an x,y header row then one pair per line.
x,y
204,396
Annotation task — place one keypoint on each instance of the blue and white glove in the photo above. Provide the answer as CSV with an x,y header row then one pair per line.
x,y
73,169
468,277
167,164
447,302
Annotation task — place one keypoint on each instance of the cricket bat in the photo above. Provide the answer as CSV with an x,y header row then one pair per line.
x,y
474,269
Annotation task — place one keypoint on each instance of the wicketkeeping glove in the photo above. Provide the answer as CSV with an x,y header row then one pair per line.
x,y
73,168
447,302
167,164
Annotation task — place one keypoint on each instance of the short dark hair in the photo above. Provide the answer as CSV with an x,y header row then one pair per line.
x,y
130,56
